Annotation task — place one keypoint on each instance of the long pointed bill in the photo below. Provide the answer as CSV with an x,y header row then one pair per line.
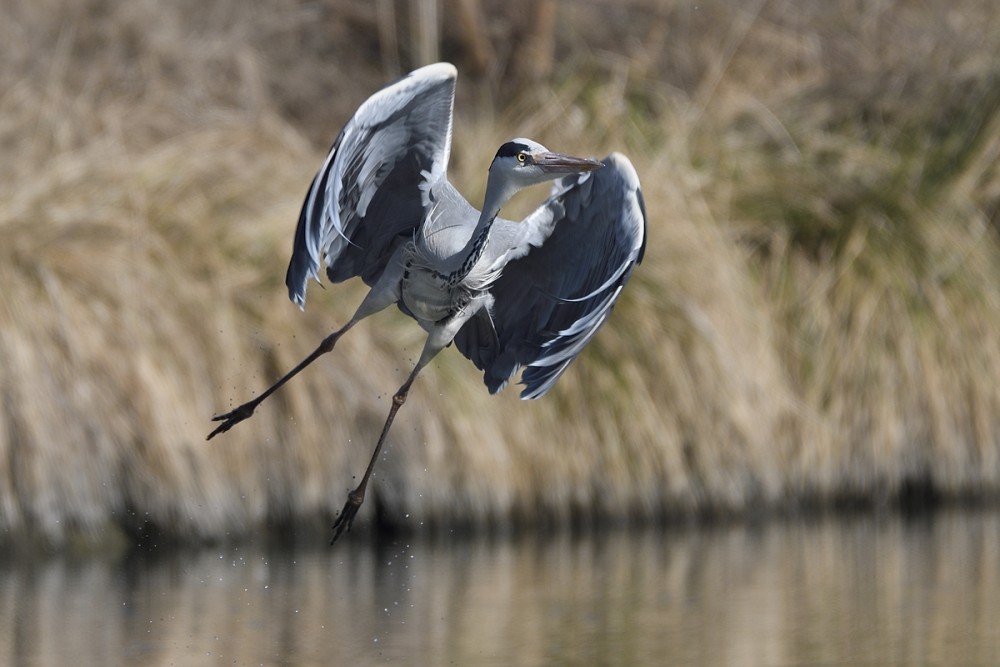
x,y
556,163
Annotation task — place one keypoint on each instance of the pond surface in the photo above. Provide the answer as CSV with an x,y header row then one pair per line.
x,y
846,591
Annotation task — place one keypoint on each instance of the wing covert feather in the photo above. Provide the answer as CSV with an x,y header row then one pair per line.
x,y
566,266
375,185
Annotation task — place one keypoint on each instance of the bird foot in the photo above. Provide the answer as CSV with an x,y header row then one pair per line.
x,y
232,418
346,518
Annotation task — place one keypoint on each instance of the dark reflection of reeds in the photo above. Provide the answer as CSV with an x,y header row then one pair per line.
x,y
855,591
816,319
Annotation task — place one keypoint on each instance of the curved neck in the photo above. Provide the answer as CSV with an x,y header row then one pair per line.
x,y
498,191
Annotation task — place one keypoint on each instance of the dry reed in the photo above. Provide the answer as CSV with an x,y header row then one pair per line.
x,y
815,320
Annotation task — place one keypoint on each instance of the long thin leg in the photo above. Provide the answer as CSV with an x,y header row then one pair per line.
x,y
438,338
357,496
234,417
382,295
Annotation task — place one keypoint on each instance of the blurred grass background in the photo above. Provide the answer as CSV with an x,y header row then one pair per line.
x,y
815,322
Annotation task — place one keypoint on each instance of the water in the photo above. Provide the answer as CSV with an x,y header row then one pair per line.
x,y
848,591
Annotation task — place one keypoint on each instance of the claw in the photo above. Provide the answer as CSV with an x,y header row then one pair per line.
x,y
346,518
231,419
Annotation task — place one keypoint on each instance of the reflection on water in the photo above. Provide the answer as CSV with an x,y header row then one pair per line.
x,y
857,591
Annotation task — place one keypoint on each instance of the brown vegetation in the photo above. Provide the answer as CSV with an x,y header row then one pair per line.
x,y
816,318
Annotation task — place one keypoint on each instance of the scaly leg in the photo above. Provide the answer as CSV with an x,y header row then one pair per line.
x,y
357,496
234,417
382,295
438,338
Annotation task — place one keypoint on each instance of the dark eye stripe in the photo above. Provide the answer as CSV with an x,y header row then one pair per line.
x,y
512,149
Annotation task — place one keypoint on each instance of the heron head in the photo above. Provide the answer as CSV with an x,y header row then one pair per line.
x,y
523,162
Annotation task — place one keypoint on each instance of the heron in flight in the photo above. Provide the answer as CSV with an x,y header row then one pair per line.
x,y
509,295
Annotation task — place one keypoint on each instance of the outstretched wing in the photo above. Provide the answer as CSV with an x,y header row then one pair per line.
x,y
376,183
566,266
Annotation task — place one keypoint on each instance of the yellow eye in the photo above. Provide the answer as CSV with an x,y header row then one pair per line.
x,y
521,158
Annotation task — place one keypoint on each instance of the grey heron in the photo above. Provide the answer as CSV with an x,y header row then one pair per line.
x,y
509,295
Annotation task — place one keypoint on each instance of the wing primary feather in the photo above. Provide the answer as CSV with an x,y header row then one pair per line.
x,y
567,265
370,194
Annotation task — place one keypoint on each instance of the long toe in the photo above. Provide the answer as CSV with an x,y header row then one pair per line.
x,y
346,517
221,428
231,419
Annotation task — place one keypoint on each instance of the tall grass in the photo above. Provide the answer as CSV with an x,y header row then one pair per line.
x,y
815,320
